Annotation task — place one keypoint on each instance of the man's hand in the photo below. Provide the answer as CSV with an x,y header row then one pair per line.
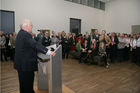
x,y
52,53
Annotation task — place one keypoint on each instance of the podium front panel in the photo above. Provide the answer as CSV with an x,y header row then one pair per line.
x,y
41,77
55,82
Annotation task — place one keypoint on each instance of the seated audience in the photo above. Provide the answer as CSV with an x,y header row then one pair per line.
x,y
92,52
84,51
81,39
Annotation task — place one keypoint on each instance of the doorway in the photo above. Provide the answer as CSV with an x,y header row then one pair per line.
x,y
7,21
75,25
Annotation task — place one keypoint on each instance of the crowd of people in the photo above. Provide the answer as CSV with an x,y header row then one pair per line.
x,y
113,46
7,46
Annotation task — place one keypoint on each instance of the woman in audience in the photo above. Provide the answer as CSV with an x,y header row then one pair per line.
x,y
67,46
7,46
102,53
78,46
106,39
84,52
81,39
60,38
13,41
77,51
2,46
64,40
54,40
73,42
92,52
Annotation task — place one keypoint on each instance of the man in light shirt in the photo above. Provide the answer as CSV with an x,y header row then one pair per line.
x,y
133,43
138,49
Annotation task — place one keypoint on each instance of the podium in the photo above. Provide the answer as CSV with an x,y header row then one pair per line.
x,y
49,75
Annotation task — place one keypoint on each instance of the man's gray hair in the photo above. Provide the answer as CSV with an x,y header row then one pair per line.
x,y
25,23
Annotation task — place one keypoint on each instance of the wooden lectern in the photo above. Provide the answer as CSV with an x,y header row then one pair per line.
x,y
49,75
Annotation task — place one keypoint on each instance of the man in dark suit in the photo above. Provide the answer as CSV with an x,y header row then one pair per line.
x,y
46,39
26,49
96,36
114,44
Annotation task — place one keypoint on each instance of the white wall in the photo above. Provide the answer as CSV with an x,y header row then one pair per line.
x,y
0,4
121,15
54,14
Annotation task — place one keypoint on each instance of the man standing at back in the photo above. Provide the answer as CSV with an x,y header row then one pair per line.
x,y
26,49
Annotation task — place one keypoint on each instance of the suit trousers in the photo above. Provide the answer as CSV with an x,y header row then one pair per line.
x,y
138,55
26,80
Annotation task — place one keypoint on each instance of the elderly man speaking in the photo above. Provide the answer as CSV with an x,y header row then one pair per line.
x,y
26,49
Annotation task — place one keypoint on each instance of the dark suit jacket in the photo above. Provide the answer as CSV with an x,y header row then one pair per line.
x,y
115,40
46,41
26,49
96,37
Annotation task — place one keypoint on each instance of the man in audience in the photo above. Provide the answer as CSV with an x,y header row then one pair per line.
x,y
46,39
40,37
87,37
121,46
133,44
138,49
96,36
114,43
25,63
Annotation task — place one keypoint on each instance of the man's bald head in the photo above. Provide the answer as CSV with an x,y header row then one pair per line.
x,y
26,25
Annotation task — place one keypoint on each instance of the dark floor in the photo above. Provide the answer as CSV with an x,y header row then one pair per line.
x,y
81,78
